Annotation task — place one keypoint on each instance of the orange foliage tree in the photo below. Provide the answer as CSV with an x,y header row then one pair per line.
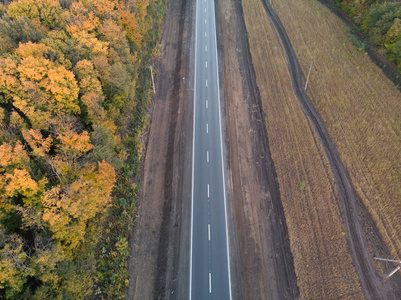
x,y
36,86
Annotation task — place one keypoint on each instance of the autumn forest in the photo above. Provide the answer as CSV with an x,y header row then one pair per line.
x,y
74,88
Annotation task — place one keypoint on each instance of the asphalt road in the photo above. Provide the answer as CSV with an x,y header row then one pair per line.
x,y
209,262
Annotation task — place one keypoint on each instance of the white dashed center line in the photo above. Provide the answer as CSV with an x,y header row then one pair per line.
x,y
208,231
208,191
207,156
207,104
210,283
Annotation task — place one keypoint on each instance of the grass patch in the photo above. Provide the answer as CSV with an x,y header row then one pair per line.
x,y
358,43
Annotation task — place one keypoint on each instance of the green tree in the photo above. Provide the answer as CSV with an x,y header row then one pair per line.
x,y
46,12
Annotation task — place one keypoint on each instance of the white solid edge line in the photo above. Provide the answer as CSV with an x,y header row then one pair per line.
x,y
193,160
222,157
210,283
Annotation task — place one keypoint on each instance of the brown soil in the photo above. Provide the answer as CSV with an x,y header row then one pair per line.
x,y
266,263
160,240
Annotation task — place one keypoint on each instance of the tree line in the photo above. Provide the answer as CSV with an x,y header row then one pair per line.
x,y
381,21
73,95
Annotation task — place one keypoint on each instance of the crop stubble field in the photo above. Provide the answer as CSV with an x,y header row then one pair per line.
x,y
361,109
317,234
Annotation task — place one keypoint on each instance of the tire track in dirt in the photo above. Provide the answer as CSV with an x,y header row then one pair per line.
x,y
350,203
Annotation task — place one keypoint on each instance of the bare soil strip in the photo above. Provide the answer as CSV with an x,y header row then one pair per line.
x,y
356,238
159,263
266,262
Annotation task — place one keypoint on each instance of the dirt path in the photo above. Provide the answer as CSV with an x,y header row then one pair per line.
x,y
354,213
266,262
158,266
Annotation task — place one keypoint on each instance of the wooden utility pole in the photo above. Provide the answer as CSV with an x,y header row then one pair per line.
x,y
307,80
153,81
393,271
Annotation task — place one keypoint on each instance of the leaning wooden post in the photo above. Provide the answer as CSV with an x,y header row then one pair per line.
x,y
307,80
153,81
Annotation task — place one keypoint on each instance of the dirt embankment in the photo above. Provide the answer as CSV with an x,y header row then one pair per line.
x,y
266,263
159,263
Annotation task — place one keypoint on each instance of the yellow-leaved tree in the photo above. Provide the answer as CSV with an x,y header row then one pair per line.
x,y
68,209
37,87
46,12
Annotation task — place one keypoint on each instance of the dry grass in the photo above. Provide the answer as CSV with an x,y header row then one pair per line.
x,y
360,107
322,263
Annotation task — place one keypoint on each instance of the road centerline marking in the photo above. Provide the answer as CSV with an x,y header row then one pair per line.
x,y
207,103
207,156
210,31
208,231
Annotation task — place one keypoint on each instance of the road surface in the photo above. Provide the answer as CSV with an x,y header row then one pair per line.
x,y
209,261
